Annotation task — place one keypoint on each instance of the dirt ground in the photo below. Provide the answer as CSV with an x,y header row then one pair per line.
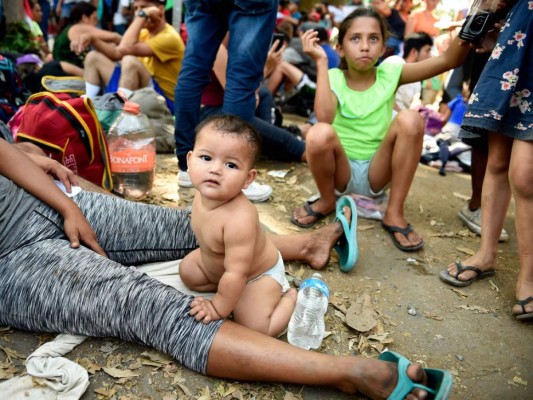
x,y
467,331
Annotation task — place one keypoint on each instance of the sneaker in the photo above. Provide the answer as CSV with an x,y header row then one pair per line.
x,y
184,180
472,220
257,192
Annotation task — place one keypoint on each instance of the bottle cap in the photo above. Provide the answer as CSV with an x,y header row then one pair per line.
x,y
131,107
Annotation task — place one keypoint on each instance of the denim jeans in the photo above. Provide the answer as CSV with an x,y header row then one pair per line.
x,y
250,23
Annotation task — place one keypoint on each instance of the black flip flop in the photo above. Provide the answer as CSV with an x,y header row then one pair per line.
x,y
453,280
391,229
525,316
310,213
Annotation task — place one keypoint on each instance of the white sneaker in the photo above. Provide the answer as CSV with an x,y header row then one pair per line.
x,y
257,192
472,220
184,180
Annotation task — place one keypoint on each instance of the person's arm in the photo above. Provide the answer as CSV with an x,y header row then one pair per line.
x,y
130,45
452,58
239,244
18,167
325,100
410,25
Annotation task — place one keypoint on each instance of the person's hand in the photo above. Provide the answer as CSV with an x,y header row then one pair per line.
x,y
79,44
489,41
153,14
56,170
202,310
79,231
274,57
311,47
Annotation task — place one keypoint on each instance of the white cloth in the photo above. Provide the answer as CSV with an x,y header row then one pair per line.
x,y
61,379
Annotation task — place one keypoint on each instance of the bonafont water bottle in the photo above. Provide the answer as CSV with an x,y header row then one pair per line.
x,y
306,326
131,145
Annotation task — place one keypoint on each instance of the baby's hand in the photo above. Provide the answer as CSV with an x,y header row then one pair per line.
x,y
203,310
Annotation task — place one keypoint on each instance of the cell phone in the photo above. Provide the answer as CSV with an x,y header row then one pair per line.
x,y
278,36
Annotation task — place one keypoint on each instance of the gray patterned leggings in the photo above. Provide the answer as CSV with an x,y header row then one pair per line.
x,y
45,286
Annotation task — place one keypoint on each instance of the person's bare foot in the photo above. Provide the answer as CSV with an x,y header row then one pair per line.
x,y
377,379
479,260
321,241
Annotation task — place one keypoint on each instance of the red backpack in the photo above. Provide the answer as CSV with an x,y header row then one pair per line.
x,y
67,129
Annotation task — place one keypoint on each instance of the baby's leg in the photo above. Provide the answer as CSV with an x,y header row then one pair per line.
x,y
262,306
192,274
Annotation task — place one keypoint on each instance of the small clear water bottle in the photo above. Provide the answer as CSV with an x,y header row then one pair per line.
x,y
306,326
131,144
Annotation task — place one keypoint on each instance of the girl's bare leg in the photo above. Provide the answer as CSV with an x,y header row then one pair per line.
x,y
243,354
495,198
396,161
521,177
330,168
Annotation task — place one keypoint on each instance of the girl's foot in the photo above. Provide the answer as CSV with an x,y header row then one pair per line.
x,y
311,212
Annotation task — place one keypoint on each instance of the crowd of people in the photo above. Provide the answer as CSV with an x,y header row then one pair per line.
x,y
362,71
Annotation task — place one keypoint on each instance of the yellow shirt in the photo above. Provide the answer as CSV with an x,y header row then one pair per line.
x,y
165,65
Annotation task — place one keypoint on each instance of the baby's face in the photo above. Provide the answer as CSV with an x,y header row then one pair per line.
x,y
220,165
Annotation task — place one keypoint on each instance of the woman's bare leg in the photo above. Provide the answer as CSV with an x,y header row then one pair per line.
x,y
521,177
243,354
495,198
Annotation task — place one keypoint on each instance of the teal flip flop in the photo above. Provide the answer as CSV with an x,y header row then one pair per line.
x,y
439,381
346,247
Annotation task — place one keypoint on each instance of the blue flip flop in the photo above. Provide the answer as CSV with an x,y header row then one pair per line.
x,y
439,381
346,247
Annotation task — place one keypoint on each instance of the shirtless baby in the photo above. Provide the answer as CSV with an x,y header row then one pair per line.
x,y
236,259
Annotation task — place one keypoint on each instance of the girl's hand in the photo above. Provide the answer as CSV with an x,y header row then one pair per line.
x,y
56,170
202,310
311,46
489,41
79,231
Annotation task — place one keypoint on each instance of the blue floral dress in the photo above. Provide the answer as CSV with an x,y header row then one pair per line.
x,y
502,100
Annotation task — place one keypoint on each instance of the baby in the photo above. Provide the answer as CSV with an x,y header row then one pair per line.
x,y
236,259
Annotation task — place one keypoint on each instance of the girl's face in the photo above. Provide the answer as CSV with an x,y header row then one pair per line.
x,y
363,44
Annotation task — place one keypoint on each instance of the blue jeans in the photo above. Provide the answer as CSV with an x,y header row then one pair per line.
x,y
250,23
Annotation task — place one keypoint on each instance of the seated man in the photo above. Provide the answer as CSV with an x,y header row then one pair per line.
x,y
151,52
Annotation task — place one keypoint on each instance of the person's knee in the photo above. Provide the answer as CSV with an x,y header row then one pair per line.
x,y
92,58
410,123
522,182
129,63
497,165
321,137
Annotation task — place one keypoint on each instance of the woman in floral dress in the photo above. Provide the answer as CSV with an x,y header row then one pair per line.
x,y
501,107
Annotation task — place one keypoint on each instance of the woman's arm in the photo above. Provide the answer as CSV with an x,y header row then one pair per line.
x,y
325,100
18,167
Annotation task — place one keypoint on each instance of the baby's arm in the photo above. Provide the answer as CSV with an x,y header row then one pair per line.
x,y
239,245
16,166
325,100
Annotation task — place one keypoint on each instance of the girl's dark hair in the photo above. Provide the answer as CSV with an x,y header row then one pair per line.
x,y
361,12
80,10
233,125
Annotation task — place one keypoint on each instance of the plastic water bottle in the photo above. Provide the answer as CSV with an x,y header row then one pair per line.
x,y
131,144
306,326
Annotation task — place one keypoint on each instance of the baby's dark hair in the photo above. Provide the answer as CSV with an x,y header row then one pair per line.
x,y
233,125
361,12
79,10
